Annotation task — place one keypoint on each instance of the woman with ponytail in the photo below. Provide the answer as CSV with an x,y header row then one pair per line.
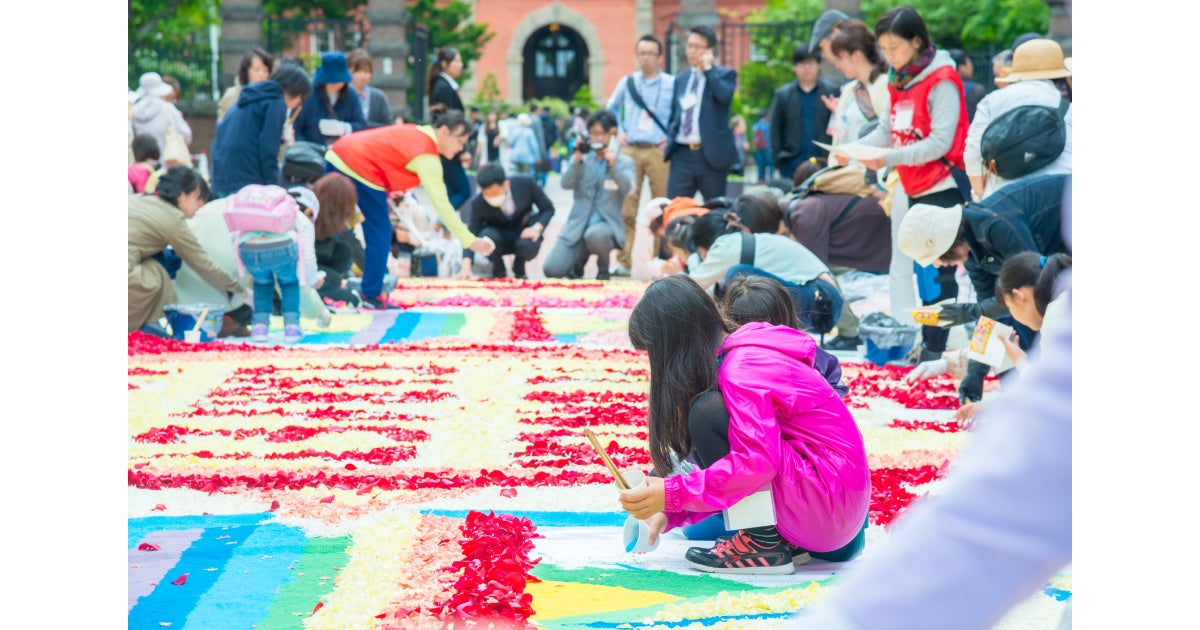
x,y
1027,286
442,88
396,159
159,239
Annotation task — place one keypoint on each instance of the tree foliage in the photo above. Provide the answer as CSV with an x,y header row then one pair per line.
x,y
452,25
176,21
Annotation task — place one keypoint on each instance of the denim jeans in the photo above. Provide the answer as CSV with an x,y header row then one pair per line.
x,y
803,295
268,266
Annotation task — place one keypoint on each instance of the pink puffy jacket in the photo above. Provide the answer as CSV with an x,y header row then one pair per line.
x,y
789,429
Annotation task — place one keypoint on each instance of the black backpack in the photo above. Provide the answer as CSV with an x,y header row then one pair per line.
x,y
303,163
1024,139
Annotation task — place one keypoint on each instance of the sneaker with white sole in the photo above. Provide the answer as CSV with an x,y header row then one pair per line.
x,y
258,333
740,554
292,333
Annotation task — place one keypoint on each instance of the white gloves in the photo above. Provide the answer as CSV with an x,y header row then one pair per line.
x,y
333,127
928,369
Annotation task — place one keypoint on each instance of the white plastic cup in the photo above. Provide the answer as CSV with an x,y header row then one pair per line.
x,y
637,536
636,480
191,336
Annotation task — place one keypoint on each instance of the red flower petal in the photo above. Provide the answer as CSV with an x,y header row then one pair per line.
x,y
328,499
274,506
316,608
148,547
179,581
159,508
508,492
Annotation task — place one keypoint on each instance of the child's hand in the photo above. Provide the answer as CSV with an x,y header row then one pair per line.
x,y
647,501
657,523
1013,350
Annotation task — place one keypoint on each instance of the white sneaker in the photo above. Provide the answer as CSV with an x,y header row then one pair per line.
x,y
325,318
619,270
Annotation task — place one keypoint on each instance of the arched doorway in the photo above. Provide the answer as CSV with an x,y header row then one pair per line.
x,y
556,63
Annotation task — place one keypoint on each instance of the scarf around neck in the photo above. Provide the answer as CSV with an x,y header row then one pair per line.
x,y
901,77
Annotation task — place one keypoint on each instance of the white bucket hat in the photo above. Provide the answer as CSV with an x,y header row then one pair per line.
x,y
152,83
927,232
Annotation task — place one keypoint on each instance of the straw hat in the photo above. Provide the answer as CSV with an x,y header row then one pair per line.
x,y
1036,59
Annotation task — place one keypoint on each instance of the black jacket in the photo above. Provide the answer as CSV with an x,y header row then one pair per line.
x,y
1025,215
526,194
716,144
787,125
246,147
444,94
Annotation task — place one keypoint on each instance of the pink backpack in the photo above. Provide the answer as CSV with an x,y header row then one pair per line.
x,y
258,208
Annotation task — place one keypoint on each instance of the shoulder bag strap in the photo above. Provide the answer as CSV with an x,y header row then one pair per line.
x,y
637,98
845,211
747,249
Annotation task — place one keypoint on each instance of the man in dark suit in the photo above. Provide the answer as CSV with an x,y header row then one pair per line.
x,y
799,116
700,143
503,211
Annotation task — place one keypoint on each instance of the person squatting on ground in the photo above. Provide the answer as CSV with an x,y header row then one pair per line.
x,y
156,222
398,158
848,232
642,104
1024,216
600,178
924,135
335,257
503,211
721,245
755,415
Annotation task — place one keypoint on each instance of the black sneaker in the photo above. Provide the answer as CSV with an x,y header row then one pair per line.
x,y
603,275
740,554
843,343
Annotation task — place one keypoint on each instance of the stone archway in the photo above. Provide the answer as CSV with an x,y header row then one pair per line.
x,y
555,13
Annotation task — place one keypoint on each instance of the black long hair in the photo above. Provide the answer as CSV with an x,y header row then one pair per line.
x,y
758,299
1032,269
708,227
678,325
177,181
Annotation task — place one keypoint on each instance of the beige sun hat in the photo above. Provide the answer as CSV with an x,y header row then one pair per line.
x,y
1036,59
927,232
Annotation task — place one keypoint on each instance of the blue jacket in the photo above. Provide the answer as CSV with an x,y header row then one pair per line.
x,y
246,147
315,108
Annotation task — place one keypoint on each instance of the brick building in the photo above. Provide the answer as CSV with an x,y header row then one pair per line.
x,y
552,47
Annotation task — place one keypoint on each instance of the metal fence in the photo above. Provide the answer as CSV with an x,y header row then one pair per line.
x,y
301,36
189,63
418,69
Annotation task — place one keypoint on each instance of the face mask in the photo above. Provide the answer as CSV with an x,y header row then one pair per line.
x,y
495,202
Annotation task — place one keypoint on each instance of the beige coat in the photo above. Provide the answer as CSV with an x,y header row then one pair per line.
x,y
153,224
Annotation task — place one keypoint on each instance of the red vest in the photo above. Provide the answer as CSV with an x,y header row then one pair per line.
x,y
917,178
381,155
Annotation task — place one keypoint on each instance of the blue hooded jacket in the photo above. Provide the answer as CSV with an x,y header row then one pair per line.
x,y
246,148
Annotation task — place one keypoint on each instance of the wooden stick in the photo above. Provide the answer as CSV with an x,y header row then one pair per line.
x,y
621,483
200,320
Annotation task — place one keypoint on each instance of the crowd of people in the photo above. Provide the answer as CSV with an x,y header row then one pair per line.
x,y
908,168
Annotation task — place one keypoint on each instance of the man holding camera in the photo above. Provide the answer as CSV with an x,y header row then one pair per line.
x,y
601,178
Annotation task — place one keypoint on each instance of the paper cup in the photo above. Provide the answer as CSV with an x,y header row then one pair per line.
x,y
191,336
637,536
635,478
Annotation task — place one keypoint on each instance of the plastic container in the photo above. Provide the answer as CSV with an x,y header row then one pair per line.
x,y
637,537
887,339
182,318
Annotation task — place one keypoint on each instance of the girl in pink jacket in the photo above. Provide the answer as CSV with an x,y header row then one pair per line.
x,y
755,414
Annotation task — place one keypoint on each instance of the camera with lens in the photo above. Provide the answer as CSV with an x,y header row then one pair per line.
x,y
584,147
